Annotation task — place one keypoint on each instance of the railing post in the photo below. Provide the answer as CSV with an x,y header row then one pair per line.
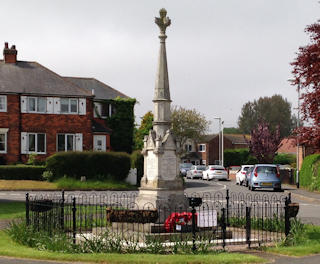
x,y
227,199
27,210
286,217
62,211
194,248
74,223
224,227
248,225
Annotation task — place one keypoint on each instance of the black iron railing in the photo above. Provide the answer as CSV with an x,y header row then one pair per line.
x,y
221,219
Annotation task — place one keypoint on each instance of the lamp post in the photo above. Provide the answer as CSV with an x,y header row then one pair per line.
x,y
221,122
298,126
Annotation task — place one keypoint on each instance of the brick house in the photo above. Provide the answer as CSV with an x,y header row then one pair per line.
x,y
208,148
42,112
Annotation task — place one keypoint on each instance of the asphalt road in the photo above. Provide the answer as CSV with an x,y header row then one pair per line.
x,y
309,211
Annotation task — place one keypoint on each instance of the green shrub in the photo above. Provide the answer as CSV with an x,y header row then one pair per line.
x,y
283,158
310,172
238,157
93,165
21,172
137,161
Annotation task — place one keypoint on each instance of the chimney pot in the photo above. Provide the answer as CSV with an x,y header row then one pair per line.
x,y
10,55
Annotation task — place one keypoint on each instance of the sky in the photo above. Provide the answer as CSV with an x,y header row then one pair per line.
x,y
221,53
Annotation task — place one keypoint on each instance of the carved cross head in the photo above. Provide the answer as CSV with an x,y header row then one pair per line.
x,y
163,21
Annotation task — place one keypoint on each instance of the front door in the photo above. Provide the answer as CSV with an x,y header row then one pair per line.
x,y
99,143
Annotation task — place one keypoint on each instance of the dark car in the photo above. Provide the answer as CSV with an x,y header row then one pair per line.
x,y
184,168
265,176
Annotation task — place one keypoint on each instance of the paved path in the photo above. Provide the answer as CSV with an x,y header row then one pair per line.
x,y
8,260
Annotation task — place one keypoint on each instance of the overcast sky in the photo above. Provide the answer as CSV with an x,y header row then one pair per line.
x,y
221,53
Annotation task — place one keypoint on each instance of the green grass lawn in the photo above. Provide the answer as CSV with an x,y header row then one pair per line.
x,y
10,248
65,184
309,243
72,184
11,210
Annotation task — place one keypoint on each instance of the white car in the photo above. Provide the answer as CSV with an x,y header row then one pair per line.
x,y
215,172
241,174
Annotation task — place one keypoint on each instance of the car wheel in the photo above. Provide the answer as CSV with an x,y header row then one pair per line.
x,y
252,188
249,187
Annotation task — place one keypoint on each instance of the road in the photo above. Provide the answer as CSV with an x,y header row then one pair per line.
x,y
309,211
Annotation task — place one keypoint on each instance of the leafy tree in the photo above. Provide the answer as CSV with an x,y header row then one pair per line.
x,y
231,130
306,72
143,130
264,144
275,110
188,124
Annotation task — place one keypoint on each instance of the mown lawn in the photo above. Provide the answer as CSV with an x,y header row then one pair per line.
x,y
11,210
65,184
307,243
10,248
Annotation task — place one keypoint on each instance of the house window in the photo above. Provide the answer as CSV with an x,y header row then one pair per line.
x,y
3,103
36,143
188,147
37,104
69,106
202,148
104,110
3,142
66,142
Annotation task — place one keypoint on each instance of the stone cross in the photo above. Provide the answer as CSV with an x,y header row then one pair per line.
x,y
163,21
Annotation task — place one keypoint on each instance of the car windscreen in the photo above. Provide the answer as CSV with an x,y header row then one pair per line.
x,y
201,167
215,168
185,165
246,168
267,169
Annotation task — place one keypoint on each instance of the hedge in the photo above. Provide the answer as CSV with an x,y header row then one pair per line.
x,y
92,165
283,158
21,172
310,172
238,157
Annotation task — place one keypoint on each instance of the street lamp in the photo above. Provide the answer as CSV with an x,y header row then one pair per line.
x,y
298,126
221,122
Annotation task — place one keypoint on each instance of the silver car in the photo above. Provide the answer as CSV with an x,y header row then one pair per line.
x,y
196,172
265,176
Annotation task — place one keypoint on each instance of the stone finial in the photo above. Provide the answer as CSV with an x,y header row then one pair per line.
x,y
163,21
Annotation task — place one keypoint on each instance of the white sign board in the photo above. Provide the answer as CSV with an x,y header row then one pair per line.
x,y
207,218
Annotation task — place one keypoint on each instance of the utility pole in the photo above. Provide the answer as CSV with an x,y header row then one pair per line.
x,y
221,122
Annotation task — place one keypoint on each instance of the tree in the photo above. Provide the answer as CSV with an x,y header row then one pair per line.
x,y
264,144
275,110
188,124
143,130
231,130
306,72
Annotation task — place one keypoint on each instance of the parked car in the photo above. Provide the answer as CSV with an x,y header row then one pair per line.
x,y
265,176
184,168
247,176
216,172
241,174
195,171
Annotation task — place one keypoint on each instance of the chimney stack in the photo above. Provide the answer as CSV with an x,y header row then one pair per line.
x,y
10,55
